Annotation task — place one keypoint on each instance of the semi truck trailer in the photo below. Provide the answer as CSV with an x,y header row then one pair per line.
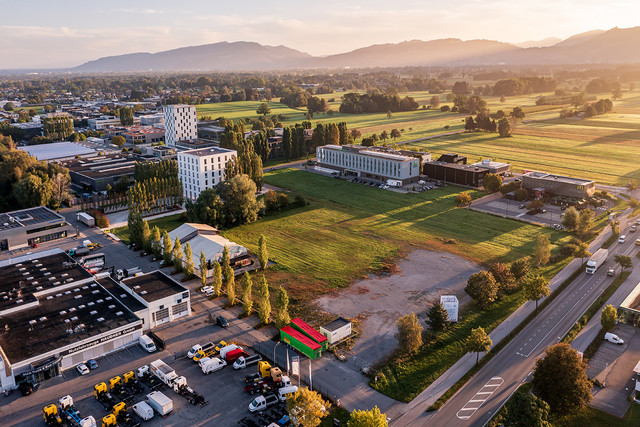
x,y
597,260
86,219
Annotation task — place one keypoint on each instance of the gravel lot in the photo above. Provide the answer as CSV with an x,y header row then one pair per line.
x,y
423,276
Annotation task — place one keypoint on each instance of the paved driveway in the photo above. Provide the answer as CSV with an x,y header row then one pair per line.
x,y
613,364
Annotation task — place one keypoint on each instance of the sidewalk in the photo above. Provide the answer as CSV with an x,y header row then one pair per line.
x,y
460,368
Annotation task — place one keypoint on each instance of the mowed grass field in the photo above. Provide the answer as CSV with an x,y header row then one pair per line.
x,y
349,230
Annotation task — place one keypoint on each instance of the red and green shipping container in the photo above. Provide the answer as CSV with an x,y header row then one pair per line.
x,y
301,342
311,333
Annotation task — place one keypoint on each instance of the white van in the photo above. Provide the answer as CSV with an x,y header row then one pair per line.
x,y
212,365
287,391
613,338
147,343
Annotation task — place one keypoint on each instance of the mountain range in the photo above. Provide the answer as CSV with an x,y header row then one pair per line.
x,y
617,45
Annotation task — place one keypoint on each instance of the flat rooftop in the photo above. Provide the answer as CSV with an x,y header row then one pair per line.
x,y
105,166
57,150
154,286
24,276
381,152
470,168
28,217
120,294
558,178
209,151
60,319
336,324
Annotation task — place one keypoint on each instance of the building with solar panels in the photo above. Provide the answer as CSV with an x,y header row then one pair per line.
x,y
28,227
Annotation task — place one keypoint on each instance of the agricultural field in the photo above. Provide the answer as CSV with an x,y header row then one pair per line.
x,y
598,148
349,230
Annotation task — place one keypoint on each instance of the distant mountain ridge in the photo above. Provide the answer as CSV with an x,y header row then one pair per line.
x,y
613,46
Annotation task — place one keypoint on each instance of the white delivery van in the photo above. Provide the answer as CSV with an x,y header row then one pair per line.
x,y
143,410
212,365
285,392
147,343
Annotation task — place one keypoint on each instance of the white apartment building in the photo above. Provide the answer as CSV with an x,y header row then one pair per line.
x,y
180,124
202,168
104,122
374,163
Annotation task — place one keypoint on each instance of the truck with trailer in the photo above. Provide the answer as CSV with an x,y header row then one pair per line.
x,y
86,219
233,355
127,272
160,403
163,372
72,415
181,387
300,342
207,350
244,361
93,262
597,260
78,252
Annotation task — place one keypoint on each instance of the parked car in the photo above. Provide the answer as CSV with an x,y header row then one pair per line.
x,y
222,322
207,290
622,239
93,365
82,369
613,338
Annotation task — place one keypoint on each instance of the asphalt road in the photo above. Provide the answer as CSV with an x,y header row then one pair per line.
x,y
485,393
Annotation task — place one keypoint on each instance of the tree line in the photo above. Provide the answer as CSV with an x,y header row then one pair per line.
x,y
26,182
376,102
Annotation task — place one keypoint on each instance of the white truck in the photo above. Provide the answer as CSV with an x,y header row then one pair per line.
x,y
261,403
286,391
127,272
143,410
243,362
164,372
394,183
86,219
211,364
597,260
160,403
147,343
227,349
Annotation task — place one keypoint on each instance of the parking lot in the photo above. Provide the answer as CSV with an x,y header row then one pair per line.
x,y
613,365
228,402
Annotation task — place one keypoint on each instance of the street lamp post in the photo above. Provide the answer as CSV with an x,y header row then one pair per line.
x,y
274,352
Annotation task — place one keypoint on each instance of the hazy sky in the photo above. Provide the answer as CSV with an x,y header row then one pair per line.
x,y
65,33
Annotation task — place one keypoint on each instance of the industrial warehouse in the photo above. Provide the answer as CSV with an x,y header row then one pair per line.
x,y
28,227
452,168
56,315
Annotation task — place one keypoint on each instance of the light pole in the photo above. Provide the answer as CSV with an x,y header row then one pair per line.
x,y
274,352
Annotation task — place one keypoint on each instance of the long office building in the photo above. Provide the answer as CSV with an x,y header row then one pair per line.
x,y
202,168
374,163
28,227
180,124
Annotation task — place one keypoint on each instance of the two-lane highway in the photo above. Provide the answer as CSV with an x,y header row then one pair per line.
x,y
483,395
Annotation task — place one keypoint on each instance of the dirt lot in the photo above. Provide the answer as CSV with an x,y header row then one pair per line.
x,y
423,276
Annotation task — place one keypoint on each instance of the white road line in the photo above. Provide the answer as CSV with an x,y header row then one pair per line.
x,y
470,407
562,318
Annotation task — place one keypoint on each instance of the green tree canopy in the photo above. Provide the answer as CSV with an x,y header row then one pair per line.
x,y
560,379
370,418
409,333
608,317
478,342
437,317
536,287
482,287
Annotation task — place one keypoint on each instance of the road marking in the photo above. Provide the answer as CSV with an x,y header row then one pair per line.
x,y
469,409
